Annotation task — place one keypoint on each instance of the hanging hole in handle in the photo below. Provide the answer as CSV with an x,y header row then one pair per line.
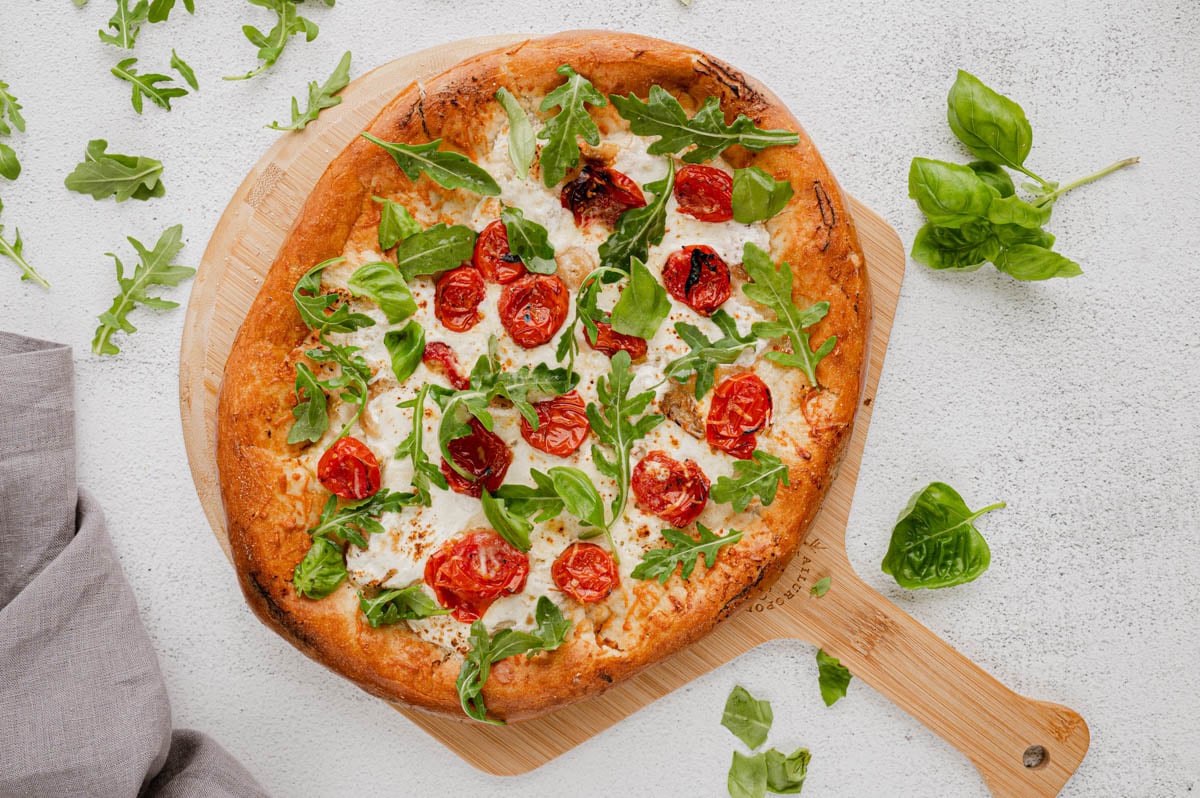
x,y
1035,757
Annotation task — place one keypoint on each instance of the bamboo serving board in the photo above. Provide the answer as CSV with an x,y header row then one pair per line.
x,y
1020,746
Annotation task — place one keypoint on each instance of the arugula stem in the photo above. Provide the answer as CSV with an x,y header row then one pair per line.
x,y
1049,198
27,271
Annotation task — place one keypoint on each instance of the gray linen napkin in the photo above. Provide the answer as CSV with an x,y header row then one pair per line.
x,y
83,707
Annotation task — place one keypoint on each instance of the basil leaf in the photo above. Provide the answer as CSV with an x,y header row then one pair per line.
x,y
406,347
185,71
541,502
992,127
107,174
935,543
759,476
1031,262
747,776
395,223
994,176
270,45
522,147
382,284
320,97
529,241
509,525
757,196
312,305
579,495
706,355
1011,210
311,417
638,229
786,774
748,718
446,168
948,194
321,571
1011,235
392,606
643,303
962,249
147,86
563,130
664,117
684,551
821,586
435,250
832,677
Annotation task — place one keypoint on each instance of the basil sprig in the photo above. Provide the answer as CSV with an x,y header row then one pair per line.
x,y
380,282
395,605
395,223
108,174
935,542
638,229
563,130
707,354
405,347
643,304
425,472
522,146
759,476
757,196
434,250
684,551
832,677
446,168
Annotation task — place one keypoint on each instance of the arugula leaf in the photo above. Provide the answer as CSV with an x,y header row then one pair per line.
x,y
773,288
935,543
706,355
759,476
161,9
270,45
10,167
184,70
1032,262
684,551
446,168
948,194
147,85
664,117
353,521
511,526
321,571
579,497
643,304
312,305
962,249
154,268
395,223
425,473
747,776
993,127
485,651
540,502
786,774
405,604
832,677
104,174
310,413
382,284
563,130
350,384
821,586
10,117
126,22
320,97
522,146
757,196
529,241
639,228
12,251
405,347
434,250
747,717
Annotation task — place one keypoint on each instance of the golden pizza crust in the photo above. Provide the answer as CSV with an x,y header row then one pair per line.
x,y
269,511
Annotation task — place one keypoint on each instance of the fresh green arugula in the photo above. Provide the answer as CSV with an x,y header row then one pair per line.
x,y
446,168
160,10
759,476
353,522
325,313
935,542
380,282
563,130
126,23
707,132
185,71
707,354
288,23
395,223
550,633
434,250
832,677
638,229
395,605
747,717
10,117
643,304
522,146
529,241
425,473
821,586
154,268
350,385
512,526
772,287
757,196
321,571
12,251
320,97
539,502
107,174
684,551
587,313
310,415
405,347
747,776
147,86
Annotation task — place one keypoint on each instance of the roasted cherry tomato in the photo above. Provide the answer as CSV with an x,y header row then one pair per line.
x,y
741,406
675,492
495,261
459,293
562,425
349,469
600,194
697,277
705,192
469,573
585,572
609,341
533,308
482,454
439,356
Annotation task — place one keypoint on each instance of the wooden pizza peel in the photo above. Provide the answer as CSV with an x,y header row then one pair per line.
x,y
1020,746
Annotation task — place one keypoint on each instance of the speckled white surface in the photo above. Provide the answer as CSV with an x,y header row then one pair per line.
x,y
1075,401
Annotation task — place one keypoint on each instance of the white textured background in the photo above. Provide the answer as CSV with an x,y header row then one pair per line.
x,y
1075,401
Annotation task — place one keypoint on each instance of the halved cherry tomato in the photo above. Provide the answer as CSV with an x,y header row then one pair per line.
x,y
741,406
609,341
459,293
439,356
470,573
600,194
585,572
697,277
495,261
533,308
482,454
705,192
675,492
562,425
349,469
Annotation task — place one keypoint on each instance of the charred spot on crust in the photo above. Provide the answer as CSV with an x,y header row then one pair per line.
x,y
733,81
828,214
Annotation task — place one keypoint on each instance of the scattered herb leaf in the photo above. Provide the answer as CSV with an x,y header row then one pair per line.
x,y
821,586
185,71
529,241
380,282
320,97
314,307
404,604
106,174
643,304
747,776
270,45
126,22
434,250
638,229
757,196
160,10
833,678
747,717
395,223
935,542
707,354
321,571
425,473
511,526
786,773
147,85
154,268
405,347
12,251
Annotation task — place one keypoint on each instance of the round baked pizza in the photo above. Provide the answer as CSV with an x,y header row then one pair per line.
x,y
552,371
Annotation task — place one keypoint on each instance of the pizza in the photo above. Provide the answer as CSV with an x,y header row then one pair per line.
x,y
552,371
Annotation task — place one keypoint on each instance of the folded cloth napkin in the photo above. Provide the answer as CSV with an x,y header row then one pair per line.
x,y
83,707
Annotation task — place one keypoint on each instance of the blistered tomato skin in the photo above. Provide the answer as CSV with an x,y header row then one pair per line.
x,y
600,194
349,469
494,260
585,572
705,193
562,425
697,277
438,356
609,341
675,492
456,302
482,454
741,407
468,574
533,308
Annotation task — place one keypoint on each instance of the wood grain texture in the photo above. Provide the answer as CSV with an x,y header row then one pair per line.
x,y
879,643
